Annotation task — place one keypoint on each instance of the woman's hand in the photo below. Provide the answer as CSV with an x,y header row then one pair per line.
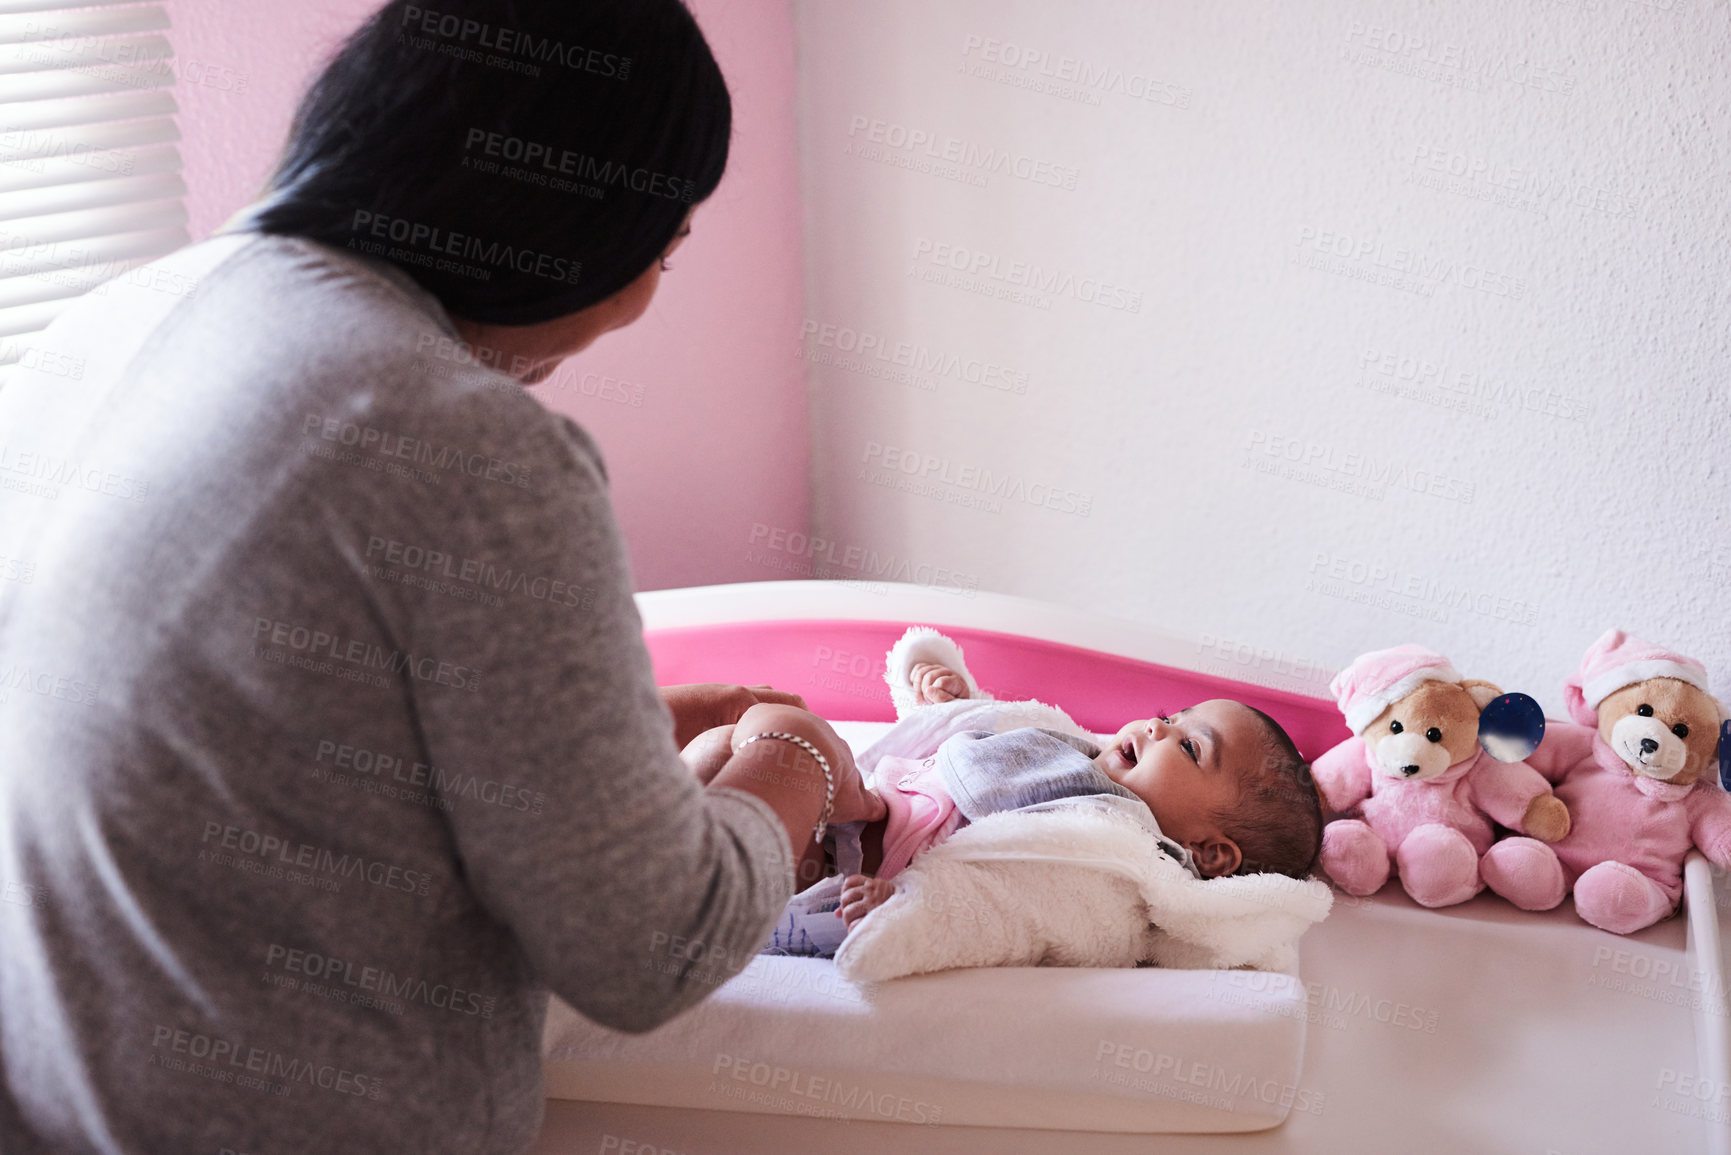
x,y
853,801
706,705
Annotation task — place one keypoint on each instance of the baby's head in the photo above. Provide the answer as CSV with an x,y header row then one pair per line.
x,y
1223,779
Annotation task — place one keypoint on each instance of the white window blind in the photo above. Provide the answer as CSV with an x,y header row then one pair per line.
x,y
90,181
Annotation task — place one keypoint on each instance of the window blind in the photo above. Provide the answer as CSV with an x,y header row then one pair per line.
x,y
90,183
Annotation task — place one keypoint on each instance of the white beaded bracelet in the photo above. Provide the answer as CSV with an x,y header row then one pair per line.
x,y
828,777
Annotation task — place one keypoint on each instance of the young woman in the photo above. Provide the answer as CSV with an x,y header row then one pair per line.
x,y
328,740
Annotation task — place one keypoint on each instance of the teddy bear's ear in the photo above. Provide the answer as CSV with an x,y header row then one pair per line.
x,y
1483,693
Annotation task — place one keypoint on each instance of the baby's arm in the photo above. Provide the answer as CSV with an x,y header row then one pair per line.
x,y
935,683
920,647
928,710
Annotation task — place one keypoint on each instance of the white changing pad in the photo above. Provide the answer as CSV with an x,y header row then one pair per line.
x,y
1145,1050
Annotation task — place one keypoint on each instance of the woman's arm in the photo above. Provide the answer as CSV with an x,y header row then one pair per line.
x,y
627,857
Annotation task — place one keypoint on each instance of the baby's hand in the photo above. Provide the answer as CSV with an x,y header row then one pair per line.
x,y
860,895
935,683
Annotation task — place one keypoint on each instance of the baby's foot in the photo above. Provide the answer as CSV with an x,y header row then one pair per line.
x,y
935,683
860,895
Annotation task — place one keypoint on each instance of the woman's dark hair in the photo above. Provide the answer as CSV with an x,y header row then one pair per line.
x,y
520,159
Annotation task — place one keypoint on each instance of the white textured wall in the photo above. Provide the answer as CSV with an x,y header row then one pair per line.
x,y
1373,321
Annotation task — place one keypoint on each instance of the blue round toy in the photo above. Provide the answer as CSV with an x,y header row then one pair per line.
x,y
1511,727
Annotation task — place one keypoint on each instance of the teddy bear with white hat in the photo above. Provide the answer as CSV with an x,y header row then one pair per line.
x,y
1413,791
1638,772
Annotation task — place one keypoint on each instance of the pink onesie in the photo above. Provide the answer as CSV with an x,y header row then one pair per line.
x,y
921,812
1619,816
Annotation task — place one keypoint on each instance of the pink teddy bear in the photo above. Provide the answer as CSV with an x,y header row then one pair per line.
x,y
1417,793
1638,773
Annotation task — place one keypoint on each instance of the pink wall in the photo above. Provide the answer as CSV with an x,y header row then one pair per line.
x,y
700,407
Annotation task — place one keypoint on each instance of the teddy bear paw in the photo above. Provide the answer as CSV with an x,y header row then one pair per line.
x,y
1354,856
1438,865
1546,818
1526,872
1614,896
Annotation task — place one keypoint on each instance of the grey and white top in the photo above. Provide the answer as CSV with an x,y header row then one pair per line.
x,y
328,740
1033,768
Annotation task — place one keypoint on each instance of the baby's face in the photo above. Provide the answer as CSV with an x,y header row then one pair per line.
x,y
1186,766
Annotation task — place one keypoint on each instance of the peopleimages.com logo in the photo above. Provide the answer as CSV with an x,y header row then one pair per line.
x,y
508,45
542,161
485,255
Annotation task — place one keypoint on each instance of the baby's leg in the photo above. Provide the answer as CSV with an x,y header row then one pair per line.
x,y
934,683
707,753
861,895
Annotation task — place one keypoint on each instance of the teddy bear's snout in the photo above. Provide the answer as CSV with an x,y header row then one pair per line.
x,y
1648,746
1411,756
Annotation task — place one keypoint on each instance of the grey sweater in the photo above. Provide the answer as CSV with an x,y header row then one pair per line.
x,y
328,739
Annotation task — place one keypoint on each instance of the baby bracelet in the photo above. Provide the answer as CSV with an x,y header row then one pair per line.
x,y
828,778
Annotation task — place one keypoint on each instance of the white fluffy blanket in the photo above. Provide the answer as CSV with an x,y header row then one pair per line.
x,y
1076,886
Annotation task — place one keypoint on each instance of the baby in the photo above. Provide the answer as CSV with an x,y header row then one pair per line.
x,y
1219,784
